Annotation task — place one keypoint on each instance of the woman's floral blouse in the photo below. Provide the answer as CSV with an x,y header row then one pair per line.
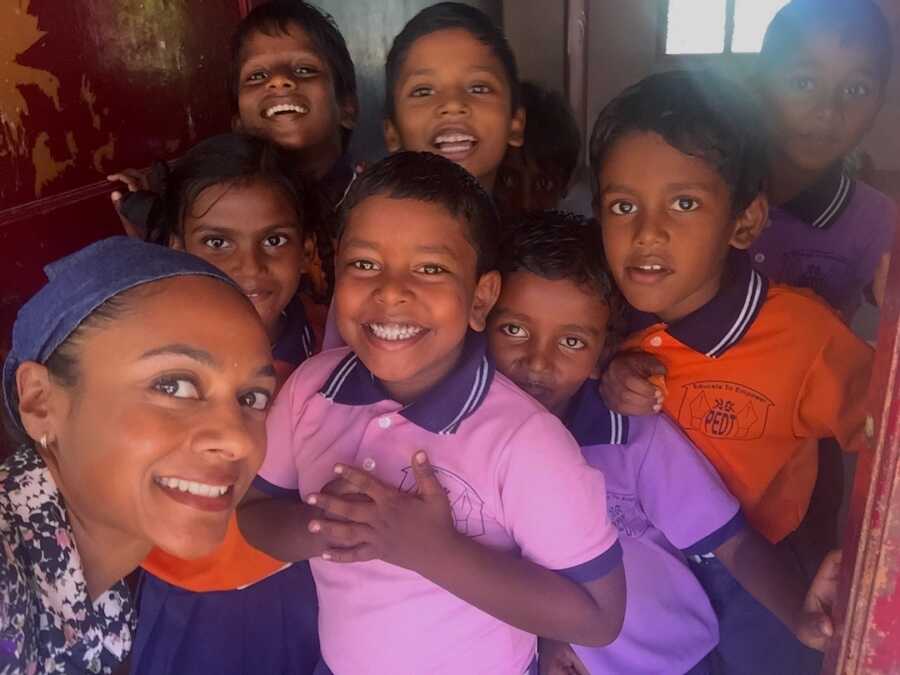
x,y
47,621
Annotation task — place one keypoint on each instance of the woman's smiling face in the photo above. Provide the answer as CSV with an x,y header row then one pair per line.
x,y
164,428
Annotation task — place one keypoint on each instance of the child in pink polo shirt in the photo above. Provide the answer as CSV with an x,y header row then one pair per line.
x,y
548,332
451,562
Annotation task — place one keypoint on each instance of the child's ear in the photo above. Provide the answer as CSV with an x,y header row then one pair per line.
x,y
392,136
349,112
41,407
486,293
750,222
517,128
236,125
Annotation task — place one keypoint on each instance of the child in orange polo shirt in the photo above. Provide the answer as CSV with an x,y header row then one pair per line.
x,y
755,373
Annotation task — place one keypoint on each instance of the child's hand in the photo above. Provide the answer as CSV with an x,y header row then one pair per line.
x,y
405,529
816,626
135,180
558,658
627,385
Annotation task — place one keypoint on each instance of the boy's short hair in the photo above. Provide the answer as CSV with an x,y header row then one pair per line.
x,y
276,18
427,177
858,22
448,16
560,246
700,114
552,137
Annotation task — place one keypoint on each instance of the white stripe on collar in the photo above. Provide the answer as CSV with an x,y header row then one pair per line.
x,y
836,203
474,399
751,303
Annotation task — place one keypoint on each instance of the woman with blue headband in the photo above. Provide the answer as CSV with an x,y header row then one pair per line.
x,y
137,384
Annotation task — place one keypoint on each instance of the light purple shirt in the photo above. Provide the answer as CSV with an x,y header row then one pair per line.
x,y
830,239
515,479
666,501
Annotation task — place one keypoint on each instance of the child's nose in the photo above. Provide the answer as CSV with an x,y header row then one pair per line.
x,y
539,359
392,290
282,79
648,230
454,102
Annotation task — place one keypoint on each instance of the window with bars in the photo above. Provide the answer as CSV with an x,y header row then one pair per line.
x,y
717,26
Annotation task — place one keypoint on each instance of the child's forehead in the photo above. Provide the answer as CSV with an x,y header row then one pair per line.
x,y
562,301
451,49
276,40
383,213
829,47
642,153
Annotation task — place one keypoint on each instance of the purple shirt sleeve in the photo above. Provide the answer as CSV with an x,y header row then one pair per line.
x,y
681,492
554,504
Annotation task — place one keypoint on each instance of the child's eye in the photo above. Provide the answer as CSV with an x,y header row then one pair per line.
x,y
305,71
545,184
176,387
275,241
802,83
257,76
431,269
257,400
480,89
513,330
419,92
571,342
685,204
857,90
622,208
364,265
217,243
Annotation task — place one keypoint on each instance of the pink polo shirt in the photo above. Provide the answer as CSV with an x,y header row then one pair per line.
x,y
516,481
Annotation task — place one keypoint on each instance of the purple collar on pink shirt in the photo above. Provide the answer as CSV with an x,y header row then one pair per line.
x,y
442,408
591,422
719,324
296,342
821,204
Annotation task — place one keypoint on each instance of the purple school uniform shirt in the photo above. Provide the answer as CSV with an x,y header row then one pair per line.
x,y
666,501
515,479
829,239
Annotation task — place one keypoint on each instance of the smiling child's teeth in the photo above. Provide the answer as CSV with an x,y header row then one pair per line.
x,y
651,268
454,138
193,487
394,331
286,107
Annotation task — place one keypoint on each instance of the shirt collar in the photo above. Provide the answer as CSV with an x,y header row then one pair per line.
x,y
296,342
591,422
821,204
442,408
69,627
719,324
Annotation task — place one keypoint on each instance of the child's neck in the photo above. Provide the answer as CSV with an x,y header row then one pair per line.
x,y
409,390
317,162
787,180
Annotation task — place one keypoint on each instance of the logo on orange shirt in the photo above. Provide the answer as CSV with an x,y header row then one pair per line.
x,y
724,410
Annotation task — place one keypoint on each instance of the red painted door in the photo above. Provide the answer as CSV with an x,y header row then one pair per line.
x,y
88,87
869,608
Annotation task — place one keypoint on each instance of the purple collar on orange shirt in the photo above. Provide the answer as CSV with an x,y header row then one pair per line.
x,y
821,204
589,420
719,324
296,342
442,408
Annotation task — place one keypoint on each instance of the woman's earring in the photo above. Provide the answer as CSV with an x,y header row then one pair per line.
x,y
43,441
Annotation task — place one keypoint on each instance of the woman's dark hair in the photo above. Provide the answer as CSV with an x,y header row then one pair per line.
x,y
426,177
858,22
277,17
235,159
552,138
700,114
448,16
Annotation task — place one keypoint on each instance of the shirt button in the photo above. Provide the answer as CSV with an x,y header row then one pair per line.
x,y
760,257
655,341
384,422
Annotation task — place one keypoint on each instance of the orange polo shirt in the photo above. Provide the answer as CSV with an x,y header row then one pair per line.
x,y
755,377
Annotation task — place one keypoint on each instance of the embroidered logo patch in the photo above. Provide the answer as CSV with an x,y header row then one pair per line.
x,y
626,514
466,504
723,410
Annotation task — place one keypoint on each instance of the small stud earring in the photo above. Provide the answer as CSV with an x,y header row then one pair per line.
x,y
43,441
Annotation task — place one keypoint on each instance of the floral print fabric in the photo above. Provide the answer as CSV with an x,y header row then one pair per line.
x,y
48,624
